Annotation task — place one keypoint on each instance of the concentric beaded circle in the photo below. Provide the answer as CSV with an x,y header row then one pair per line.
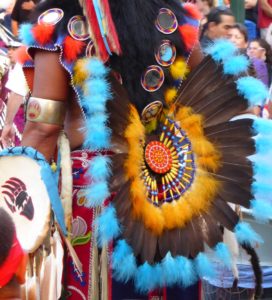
x,y
169,165
158,157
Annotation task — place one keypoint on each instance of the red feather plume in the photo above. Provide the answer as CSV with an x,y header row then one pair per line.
x,y
189,35
193,11
96,36
72,48
43,33
112,33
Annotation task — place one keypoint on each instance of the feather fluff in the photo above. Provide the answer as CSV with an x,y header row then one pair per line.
x,y
97,86
261,189
107,226
169,270
252,89
94,104
262,170
262,126
236,65
123,262
204,266
246,235
26,34
96,68
188,275
147,278
99,168
261,210
96,194
223,253
96,137
263,145
221,50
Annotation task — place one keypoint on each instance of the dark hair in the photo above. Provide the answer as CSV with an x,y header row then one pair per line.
x,y
242,29
263,43
7,231
216,13
215,16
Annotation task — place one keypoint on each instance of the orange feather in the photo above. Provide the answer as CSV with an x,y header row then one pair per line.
x,y
21,55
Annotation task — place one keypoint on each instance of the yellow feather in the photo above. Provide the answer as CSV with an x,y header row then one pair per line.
x,y
170,95
80,72
179,69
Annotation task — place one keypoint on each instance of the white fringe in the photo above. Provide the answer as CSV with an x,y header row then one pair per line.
x,y
66,178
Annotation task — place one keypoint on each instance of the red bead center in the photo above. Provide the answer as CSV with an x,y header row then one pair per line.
x,y
158,157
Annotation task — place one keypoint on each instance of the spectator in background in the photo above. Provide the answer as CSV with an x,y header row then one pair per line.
x,y
260,54
265,18
6,7
12,260
251,10
219,22
21,13
238,35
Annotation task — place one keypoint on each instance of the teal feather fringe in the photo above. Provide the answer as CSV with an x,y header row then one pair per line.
x,y
147,278
221,50
99,168
262,126
96,194
261,210
236,65
263,145
252,89
123,262
204,266
170,271
26,35
107,226
96,68
186,270
246,235
223,253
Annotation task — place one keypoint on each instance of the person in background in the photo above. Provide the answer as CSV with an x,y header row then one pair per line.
x,y
264,16
12,260
21,13
238,35
17,88
6,7
260,54
219,22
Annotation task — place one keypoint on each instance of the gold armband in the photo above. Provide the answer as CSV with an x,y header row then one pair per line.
x,y
45,111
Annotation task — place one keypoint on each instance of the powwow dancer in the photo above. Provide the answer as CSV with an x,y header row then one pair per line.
x,y
146,125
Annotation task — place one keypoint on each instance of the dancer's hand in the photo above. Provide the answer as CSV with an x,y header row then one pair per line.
x,y
8,135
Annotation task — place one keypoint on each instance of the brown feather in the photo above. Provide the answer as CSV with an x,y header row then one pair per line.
x,y
118,173
234,193
149,247
209,92
238,128
212,233
221,212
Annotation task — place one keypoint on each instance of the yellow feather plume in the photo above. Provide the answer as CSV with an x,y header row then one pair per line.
x,y
170,95
80,72
179,69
